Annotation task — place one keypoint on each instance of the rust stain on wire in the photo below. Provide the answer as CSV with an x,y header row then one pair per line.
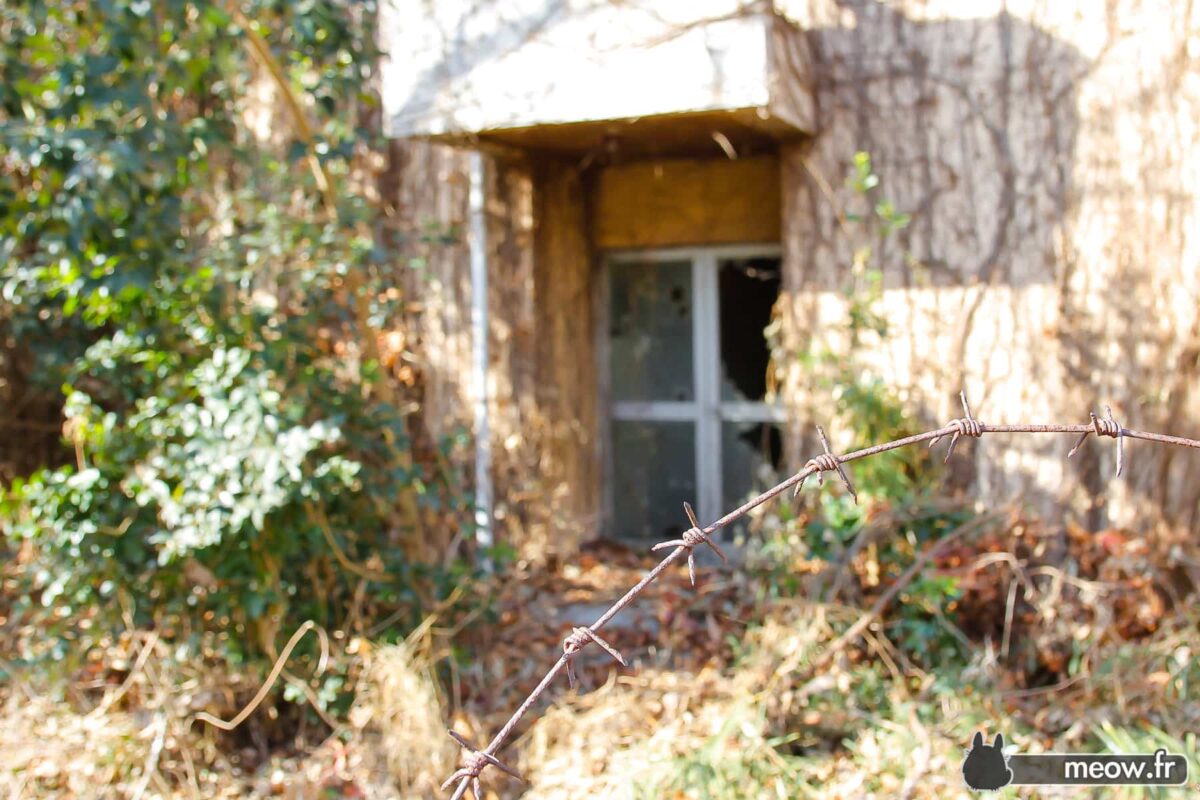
x,y
1105,427
826,462
476,761
968,426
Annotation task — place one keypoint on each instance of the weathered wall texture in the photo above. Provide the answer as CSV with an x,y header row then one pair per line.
x,y
427,187
1048,152
565,358
541,385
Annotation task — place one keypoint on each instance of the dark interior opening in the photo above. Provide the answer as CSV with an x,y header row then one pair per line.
x,y
749,288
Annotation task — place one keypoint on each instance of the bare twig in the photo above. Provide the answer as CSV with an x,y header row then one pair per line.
x,y
204,716
349,565
151,766
477,760
143,655
922,757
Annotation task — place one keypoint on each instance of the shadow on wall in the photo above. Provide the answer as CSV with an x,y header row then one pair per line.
x,y
975,127
464,51
972,125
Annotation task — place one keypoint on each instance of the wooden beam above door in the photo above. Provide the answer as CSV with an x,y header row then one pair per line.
x,y
670,202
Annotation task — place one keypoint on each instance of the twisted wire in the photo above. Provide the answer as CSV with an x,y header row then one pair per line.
x,y
478,760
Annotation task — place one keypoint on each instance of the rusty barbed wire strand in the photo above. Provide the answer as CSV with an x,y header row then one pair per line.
x,y
1105,427
969,426
477,760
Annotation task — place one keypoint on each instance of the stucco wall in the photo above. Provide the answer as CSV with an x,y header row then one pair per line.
x,y
1047,150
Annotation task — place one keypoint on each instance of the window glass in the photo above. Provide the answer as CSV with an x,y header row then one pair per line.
x,y
677,395
654,473
650,350
751,455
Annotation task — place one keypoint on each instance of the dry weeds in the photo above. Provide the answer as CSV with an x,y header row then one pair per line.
x,y
398,715
721,704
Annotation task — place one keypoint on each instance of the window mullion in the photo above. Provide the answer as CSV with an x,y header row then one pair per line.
x,y
654,411
750,411
707,339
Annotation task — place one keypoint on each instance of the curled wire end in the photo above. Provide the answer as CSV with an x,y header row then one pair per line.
x,y
826,462
965,426
577,640
1105,427
475,762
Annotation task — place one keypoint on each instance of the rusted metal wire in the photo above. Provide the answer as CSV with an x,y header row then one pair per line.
x,y
1105,427
576,641
826,462
966,426
691,537
477,760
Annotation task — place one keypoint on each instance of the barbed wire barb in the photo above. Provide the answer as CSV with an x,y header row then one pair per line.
x,y
826,462
965,426
1105,427
576,641
473,765
692,537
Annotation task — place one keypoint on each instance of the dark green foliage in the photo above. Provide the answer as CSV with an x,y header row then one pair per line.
x,y
899,485
902,485
186,286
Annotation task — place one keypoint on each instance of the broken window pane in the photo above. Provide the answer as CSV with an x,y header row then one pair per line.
x,y
749,288
751,454
651,331
654,473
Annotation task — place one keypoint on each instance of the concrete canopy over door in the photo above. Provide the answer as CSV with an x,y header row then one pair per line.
x,y
457,69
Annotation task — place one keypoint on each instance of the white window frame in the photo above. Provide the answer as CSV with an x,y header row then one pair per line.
x,y
707,411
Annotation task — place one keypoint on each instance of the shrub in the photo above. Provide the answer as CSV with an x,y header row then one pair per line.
x,y
205,302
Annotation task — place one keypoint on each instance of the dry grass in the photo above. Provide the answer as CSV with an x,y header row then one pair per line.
x,y
721,734
759,728
393,744
746,721
51,752
401,724
609,741
734,731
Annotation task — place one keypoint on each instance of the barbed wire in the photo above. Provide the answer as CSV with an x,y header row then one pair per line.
x,y
476,761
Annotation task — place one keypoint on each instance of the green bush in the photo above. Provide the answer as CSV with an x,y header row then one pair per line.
x,y
198,296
